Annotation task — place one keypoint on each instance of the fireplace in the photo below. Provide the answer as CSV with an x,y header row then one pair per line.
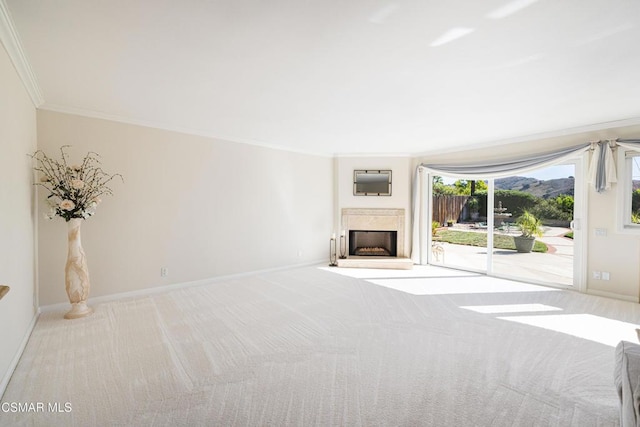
x,y
380,235
378,222
373,243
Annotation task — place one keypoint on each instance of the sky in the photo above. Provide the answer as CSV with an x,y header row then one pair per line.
x,y
636,169
551,172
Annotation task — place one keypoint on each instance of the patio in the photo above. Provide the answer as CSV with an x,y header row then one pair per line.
x,y
555,266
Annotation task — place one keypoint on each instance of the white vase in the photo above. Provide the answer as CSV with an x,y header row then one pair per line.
x,y
76,273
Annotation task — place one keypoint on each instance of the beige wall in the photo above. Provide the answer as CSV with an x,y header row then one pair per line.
x,y
172,211
17,221
400,193
200,207
617,253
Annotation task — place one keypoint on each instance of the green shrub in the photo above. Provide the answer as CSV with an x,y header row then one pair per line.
x,y
445,190
463,186
550,209
565,203
635,200
516,202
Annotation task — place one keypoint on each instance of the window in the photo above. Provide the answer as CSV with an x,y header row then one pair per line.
x,y
630,187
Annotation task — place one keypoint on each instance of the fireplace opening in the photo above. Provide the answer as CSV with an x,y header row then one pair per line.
x,y
373,243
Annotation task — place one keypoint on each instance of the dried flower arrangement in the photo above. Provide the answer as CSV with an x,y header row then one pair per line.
x,y
74,190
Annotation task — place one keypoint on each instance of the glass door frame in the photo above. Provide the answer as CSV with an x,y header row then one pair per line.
x,y
578,226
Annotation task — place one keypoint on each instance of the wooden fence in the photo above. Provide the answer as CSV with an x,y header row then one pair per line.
x,y
448,208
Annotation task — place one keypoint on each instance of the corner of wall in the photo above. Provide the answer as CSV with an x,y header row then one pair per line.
x,y
16,358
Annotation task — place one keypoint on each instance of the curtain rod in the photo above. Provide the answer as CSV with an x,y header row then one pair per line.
x,y
613,143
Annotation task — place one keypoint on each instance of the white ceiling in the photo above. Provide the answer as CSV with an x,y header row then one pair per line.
x,y
336,77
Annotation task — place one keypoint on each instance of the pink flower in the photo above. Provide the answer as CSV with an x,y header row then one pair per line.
x,y
67,205
77,184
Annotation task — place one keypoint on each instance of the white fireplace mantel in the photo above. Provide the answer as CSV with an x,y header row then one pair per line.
x,y
375,220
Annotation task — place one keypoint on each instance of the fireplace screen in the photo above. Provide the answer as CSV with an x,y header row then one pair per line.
x,y
373,243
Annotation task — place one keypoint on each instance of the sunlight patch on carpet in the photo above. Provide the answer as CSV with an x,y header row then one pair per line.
x,y
594,328
416,271
453,285
511,308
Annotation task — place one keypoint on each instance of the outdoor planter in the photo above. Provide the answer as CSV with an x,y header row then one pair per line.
x,y
531,227
524,244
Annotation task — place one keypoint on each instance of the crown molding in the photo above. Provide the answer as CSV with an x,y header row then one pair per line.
x,y
85,112
373,155
11,42
574,131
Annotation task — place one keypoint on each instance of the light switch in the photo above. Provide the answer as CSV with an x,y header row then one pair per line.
x,y
601,232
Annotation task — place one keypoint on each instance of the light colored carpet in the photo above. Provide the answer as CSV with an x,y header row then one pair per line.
x,y
316,347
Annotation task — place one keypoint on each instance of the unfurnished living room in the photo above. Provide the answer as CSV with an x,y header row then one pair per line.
x,y
386,213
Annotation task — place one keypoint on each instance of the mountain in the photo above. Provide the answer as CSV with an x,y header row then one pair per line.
x,y
545,189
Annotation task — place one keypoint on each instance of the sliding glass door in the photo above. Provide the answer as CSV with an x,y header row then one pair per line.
x,y
459,231
530,222
533,236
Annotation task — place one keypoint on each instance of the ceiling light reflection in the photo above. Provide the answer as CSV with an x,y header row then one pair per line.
x,y
451,35
510,8
596,36
383,13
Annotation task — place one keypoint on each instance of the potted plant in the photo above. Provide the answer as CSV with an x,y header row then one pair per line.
x,y
531,227
434,227
474,208
450,222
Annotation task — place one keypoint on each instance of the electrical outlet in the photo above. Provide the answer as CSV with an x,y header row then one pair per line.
x,y
596,275
605,275
164,272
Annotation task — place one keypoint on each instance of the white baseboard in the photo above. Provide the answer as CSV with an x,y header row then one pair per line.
x,y
16,358
612,295
166,288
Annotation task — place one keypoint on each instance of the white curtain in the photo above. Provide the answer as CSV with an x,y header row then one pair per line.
x,y
630,144
418,254
509,167
475,171
602,170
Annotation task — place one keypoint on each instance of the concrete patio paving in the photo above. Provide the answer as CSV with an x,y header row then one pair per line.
x,y
553,267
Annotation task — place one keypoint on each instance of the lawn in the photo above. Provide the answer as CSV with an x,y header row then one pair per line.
x,y
470,238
